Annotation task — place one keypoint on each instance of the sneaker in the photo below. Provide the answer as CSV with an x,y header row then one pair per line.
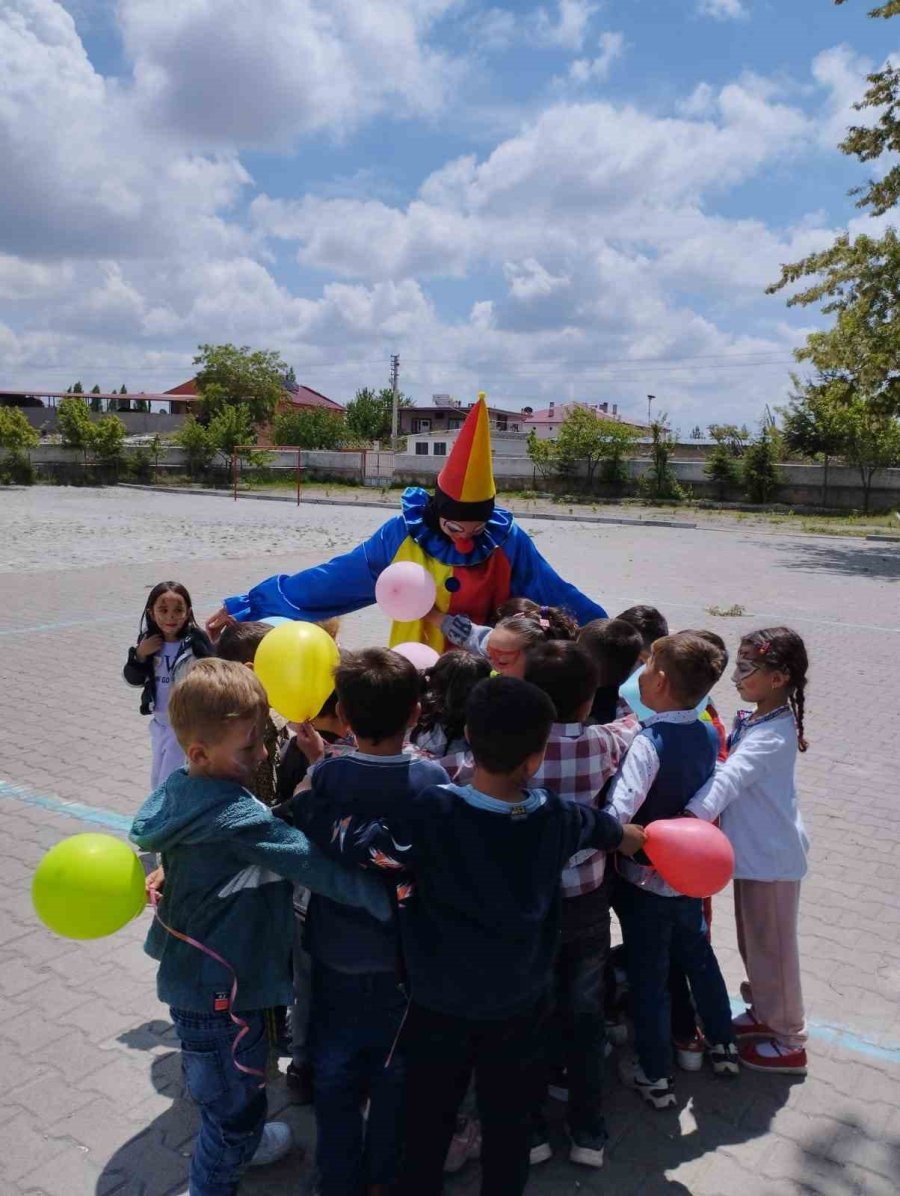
x,y
558,1088
772,1056
745,1025
658,1093
274,1144
299,1081
539,1146
464,1145
587,1149
723,1058
689,1055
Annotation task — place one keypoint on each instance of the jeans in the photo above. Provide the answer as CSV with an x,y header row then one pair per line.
x,y
355,1019
232,1105
579,1024
658,931
508,1059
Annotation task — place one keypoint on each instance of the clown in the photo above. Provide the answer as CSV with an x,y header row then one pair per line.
x,y
476,553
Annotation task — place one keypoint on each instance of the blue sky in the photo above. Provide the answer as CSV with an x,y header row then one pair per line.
x,y
547,201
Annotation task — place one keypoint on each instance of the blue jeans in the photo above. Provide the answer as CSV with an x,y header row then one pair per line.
x,y
354,1022
657,932
232,1105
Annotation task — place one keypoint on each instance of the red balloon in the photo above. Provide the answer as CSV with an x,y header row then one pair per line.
x,y
693,857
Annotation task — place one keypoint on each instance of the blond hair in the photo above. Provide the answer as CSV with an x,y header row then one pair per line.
x,y
332,626
211,697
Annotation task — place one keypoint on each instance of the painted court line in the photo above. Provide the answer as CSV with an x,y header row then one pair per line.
x,y
839,1035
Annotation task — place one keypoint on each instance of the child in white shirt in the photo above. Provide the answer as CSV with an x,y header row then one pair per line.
x,y
754,794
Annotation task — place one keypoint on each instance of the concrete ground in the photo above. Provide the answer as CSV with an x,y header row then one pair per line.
x,y
91,1097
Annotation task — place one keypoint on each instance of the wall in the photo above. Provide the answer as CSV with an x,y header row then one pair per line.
x,y
801,485
136,422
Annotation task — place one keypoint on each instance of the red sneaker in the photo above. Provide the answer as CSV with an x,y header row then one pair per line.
x,y
746,1026
772,1056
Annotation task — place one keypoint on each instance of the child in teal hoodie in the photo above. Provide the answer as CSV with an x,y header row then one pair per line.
x,y
229,864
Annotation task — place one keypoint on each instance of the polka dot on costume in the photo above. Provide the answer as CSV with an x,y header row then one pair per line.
x,y
452,584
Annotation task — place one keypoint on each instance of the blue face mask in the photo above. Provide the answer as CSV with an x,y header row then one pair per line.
x,y
630,690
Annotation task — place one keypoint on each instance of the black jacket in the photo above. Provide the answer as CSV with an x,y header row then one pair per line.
x,y
194,646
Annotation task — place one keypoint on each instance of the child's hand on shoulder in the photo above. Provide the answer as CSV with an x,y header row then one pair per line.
x,y
633,838
147,646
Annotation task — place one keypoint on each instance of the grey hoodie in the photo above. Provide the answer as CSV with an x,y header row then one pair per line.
x,y
229,866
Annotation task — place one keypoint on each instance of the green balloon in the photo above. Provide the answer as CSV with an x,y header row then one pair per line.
x,y
88,886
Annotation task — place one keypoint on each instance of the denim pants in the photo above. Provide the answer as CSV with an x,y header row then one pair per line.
x,y
231,1103
658,931
354,1022
579,1023
508,1058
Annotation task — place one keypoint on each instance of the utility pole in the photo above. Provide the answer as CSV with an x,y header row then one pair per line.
x,y
395,396
650,399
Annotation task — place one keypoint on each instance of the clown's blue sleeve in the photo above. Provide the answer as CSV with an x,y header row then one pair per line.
x,y
533,578
341,585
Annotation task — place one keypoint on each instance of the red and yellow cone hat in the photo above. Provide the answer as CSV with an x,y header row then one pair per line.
x,y
465,486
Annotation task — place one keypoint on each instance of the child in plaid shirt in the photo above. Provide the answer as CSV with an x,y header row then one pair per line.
x,y
579,761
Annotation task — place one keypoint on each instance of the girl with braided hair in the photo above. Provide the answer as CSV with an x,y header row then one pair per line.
x,y
754,793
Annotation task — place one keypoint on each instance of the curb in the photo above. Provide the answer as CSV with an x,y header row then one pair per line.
x,y
339,502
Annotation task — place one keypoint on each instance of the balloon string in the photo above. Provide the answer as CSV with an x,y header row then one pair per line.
x,y
238,1021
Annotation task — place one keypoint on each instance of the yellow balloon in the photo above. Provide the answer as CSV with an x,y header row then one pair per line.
x,y
295,663
88,886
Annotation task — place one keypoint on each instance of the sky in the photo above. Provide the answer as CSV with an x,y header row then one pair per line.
x,y
569,200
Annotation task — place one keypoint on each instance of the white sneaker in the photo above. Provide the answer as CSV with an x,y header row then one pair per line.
x,y
658,1093
689,1055
274,1144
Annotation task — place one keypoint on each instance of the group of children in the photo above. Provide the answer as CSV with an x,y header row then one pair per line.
x,y
425,874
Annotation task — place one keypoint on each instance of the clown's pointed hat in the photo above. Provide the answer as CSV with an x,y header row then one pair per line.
x,y
465,486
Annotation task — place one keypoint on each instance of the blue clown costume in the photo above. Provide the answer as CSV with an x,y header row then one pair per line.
x,y
472,576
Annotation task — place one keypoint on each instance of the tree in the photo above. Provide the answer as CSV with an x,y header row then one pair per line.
x,y
310,427
759,466
585,437
858,281
814,424
230,428
542,454
230,376
289,379
872,442
197,443
734,438
659,482
370,413
107,441
17,436
722,468
75,425
696,432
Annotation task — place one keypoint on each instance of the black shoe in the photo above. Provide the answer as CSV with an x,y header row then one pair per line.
x,y
539,1144
299,1082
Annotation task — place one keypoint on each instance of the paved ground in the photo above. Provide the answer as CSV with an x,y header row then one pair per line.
x,y
91,1097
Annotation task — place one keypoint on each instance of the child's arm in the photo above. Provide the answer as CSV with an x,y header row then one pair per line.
x,y
139,663
367,842
637,773
600,829
750,759
287,852
460,631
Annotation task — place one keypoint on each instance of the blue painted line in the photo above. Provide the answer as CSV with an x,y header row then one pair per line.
x,y
65,623
840,1035
72,809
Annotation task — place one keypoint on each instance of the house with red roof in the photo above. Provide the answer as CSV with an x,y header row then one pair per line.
x,y
546,423
294,398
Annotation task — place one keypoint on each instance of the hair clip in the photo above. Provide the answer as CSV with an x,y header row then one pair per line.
x,y
764,647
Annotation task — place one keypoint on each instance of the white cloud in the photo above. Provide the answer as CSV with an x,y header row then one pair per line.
x,y
568,28
264,72
723,10
587,70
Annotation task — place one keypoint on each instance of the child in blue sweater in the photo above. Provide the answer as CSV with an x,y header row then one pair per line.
x,y
223,935
357,1000
479,922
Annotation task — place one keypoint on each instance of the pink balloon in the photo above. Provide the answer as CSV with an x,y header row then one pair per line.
x,y
423,656
694,857
405,591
